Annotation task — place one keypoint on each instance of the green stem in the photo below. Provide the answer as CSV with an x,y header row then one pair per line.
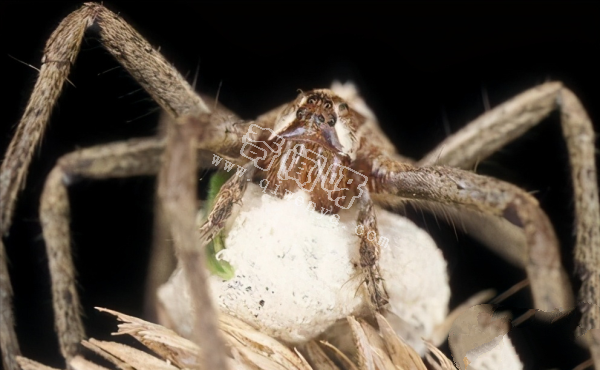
x,y
220,268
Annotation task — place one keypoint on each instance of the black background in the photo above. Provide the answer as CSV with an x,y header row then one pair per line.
x,y
423,67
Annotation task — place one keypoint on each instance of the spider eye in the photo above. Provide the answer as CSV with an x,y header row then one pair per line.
x,y
300,113
312,101
327,105
331,121
343,108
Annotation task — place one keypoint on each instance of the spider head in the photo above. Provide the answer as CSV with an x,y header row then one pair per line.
x,y
320,117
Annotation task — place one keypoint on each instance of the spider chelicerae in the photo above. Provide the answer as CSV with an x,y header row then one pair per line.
x,y
266,106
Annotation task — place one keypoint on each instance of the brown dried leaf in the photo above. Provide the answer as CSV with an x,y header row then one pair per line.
x,y
242,361
381,356
248,340
401,354
438,361
131,356
164,342
365,355
340,356
318,358
260,360
252,350
107,356
256,346
80,363
302,358
27,364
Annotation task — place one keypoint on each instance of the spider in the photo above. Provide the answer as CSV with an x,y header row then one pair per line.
x,y
438,157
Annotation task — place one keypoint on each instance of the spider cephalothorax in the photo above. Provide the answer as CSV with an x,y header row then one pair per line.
x,y
315,137
321,117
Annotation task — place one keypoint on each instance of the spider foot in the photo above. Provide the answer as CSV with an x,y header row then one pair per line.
x,y
230,193
374,283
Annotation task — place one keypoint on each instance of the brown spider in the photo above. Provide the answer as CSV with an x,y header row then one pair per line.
x,y
373,156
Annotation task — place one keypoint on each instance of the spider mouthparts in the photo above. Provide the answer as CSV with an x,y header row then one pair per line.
x,y
324,136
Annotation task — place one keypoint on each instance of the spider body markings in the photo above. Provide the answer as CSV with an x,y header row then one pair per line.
x,y
391,179
312,121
